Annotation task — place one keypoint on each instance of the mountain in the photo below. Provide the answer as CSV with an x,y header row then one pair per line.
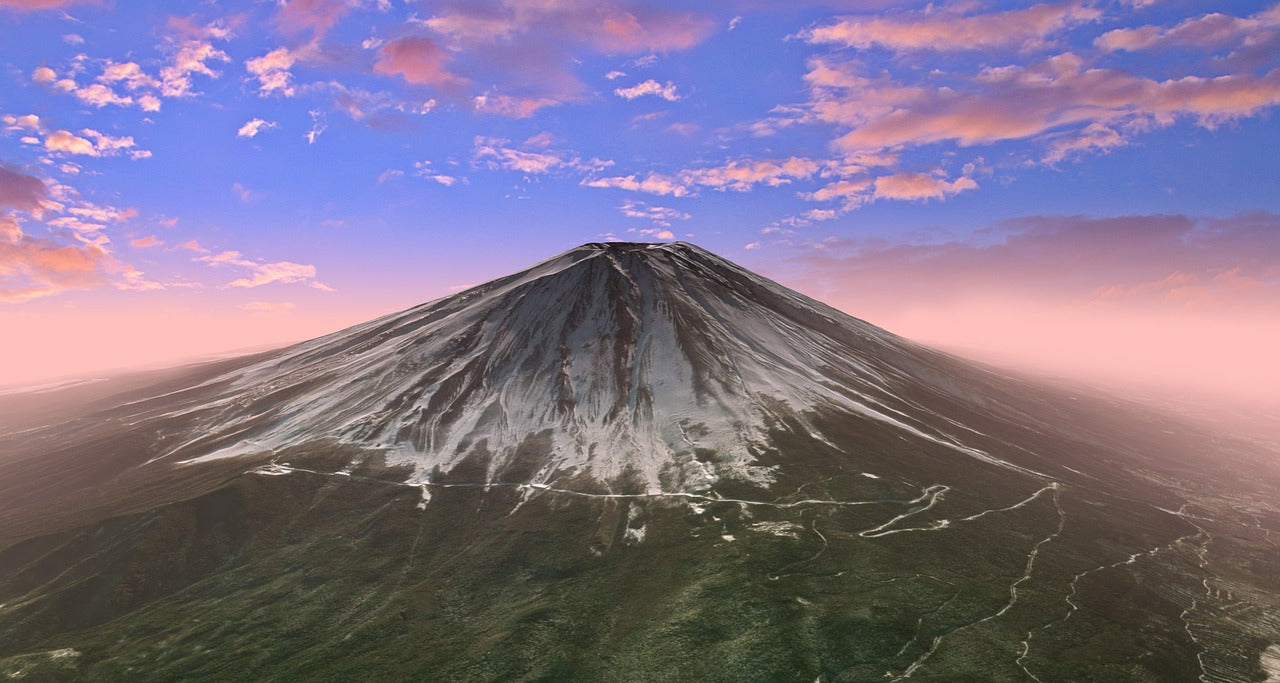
x,y
627,462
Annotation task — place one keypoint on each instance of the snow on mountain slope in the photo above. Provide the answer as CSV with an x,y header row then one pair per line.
x,y
610,360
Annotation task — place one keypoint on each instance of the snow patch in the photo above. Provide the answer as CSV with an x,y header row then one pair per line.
x,y
787,529
1270,661
272,470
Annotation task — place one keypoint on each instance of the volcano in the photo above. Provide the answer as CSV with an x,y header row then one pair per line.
x,y
627,462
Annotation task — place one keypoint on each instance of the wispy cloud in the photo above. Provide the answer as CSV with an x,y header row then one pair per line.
x,y
738,175
499,154
1207,31
1016,102
948,30
145,242
265,273
660,215
319,123
424,169
34,5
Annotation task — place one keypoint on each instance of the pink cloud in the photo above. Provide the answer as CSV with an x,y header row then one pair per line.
x,y
1207,31
841,189
316,16
69,143
273,72
128,73
1095,137
948,31
475,23
616,30
29,122
21,191
919,186
511,106
73,257
526,49
1015,102
99,95
418,60
190,29
31,268
33,5
144,242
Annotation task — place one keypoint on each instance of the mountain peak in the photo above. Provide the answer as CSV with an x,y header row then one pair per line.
x,y
612,361
630,246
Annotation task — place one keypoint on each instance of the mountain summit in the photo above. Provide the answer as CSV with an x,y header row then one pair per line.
x,y
661,366
627,462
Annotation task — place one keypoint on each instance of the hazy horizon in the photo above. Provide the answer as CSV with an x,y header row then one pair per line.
x,y
1078,189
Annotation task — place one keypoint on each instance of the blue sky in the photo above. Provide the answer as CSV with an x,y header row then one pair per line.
x,y
182,178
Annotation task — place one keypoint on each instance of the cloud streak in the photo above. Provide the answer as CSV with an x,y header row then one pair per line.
x,y
739,175
1017,102
265,273
947,31
498,154
1207,31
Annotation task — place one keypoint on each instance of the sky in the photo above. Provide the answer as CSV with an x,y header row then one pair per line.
x,y
1082,188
